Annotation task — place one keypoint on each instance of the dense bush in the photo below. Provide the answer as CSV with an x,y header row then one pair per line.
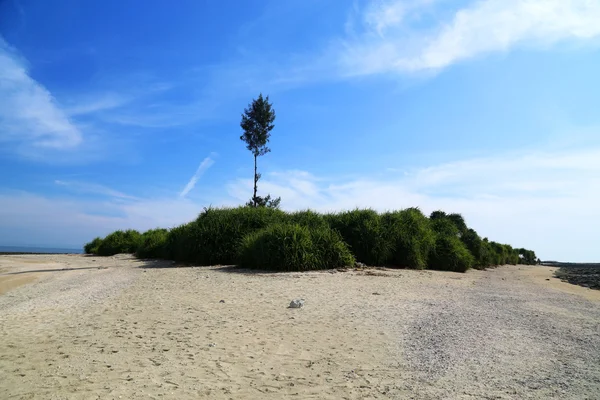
x,y
92,247
307,218
120,242
365,234
527,257
450,254
214,237
410,236
477,247
445,227
153,244
404,238
293,247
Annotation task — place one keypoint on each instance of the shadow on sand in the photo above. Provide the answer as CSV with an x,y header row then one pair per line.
x,y
230,269
31,271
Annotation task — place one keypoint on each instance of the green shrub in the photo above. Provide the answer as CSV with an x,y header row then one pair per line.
x,y
411,238
477,247
364,232
444,226
215,236
293,247
459,223
92,247
153,244
450,254
307,218
527,257
120,242
499,255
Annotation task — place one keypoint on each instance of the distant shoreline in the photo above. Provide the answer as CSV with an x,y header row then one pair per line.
x,y
16,250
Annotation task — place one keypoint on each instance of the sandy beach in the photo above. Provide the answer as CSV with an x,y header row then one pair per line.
x,y
77,327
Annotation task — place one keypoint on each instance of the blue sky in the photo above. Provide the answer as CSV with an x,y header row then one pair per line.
x,y
126,114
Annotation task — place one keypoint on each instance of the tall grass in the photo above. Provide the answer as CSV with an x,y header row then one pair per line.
x,y
365,234
411,238
120,242
450,254
293,247
92,247
214,237
267,238
153,244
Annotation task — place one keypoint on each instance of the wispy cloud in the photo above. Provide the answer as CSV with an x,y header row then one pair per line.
x,y
107,101
93,188
204,165
390,42
28,112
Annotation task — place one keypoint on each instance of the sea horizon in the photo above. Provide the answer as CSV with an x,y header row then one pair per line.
x,y
40,250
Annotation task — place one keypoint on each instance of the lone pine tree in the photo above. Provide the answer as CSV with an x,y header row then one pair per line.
x,y
257,124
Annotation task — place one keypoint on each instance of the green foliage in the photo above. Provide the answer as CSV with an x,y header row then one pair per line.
x,y
120,242
309,240
438,215
293,247
411,238
307,218
478,248
180,244
214,237
444,226
257,124
153,244
459,223
364,232
92,247
527,257
267,201
501,254
450,254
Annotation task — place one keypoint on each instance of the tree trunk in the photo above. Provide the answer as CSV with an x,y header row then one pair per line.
x,y
255,182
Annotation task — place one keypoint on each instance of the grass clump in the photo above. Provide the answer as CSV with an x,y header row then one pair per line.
x,y
293,247
92,247
450,254
411,237
477,247
214,237
307,218
153,244
365,234
265,238
120,242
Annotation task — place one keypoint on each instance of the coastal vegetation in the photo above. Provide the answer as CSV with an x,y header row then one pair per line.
x,y
272,239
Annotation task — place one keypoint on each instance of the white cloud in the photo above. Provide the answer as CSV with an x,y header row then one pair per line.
x,y
481,27
28,112
106,101
204,165
543,201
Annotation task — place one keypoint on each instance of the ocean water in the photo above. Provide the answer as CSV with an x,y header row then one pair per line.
x,y
45,250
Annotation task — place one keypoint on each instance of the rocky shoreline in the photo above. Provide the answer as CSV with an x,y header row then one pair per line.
x,y
586,275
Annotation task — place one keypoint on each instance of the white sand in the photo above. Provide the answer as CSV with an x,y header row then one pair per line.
x,y
117,330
